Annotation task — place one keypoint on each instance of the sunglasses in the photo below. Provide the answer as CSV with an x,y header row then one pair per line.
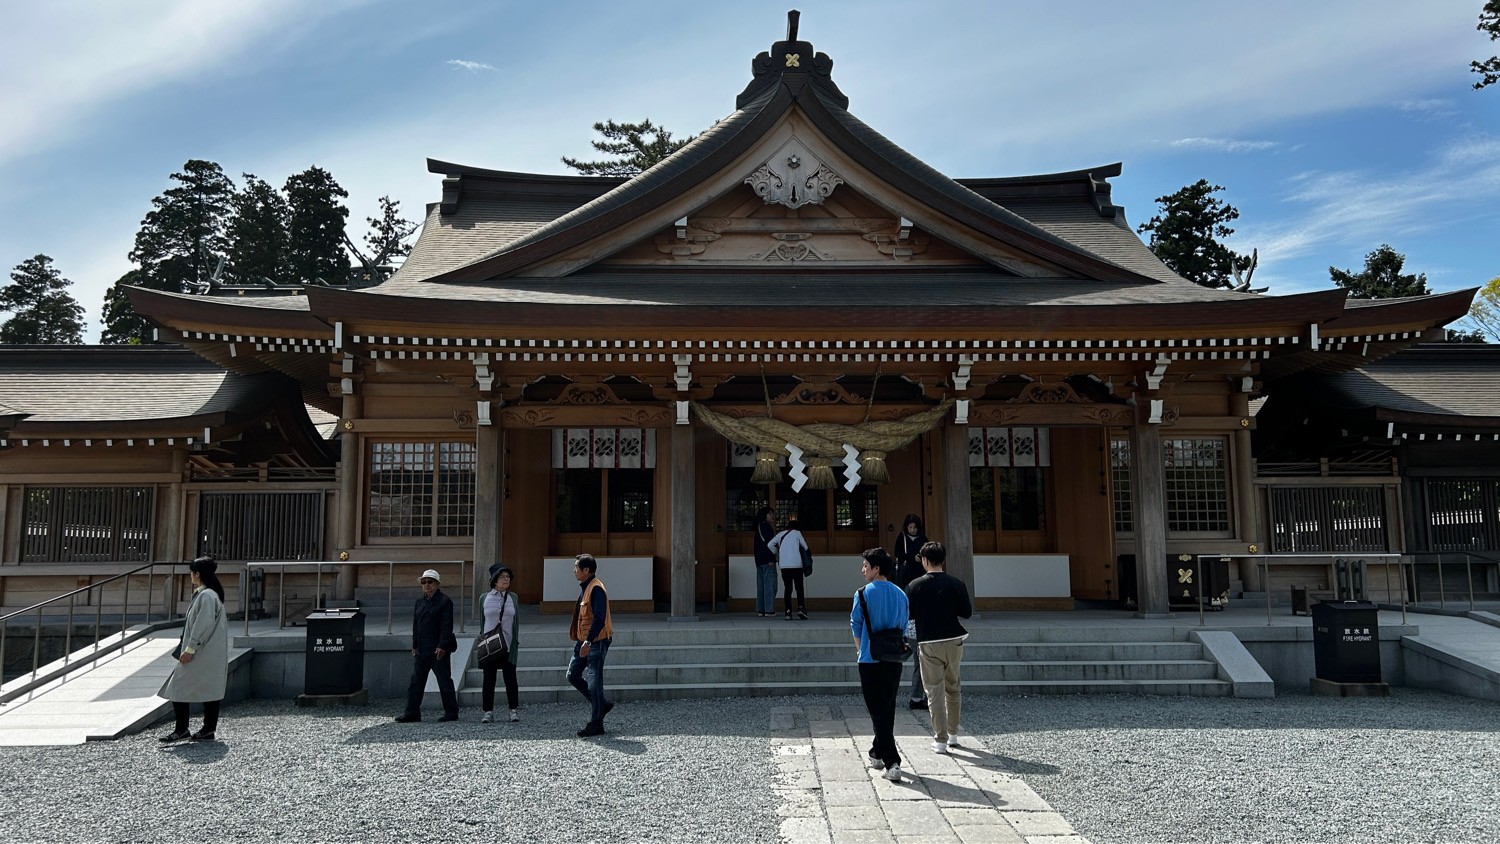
x,y
429,580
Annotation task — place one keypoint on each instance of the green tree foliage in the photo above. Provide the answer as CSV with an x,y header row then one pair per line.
x,y
633,152
1381,278
257,232
1186,235
122,325
41,308
315,226
1484,313
388,238
1489,23
179,245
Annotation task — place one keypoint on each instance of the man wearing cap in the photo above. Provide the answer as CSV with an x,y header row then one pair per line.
x,y
432,646
592,631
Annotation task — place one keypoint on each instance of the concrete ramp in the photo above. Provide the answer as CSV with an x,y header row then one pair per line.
x,y
112,696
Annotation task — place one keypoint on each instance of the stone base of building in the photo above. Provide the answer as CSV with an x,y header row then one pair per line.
x,y
1329,688
359,698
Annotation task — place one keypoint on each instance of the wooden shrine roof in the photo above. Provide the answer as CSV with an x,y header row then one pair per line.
x,y
1437,383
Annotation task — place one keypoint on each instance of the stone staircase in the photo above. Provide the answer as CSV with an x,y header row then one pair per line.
x,y
816,657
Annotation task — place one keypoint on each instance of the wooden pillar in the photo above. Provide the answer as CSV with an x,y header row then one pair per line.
x,y
5,552
684,526
958,511
1149,499
347,531
488,471
169,512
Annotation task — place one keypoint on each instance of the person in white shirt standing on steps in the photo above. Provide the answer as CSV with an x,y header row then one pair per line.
x,y
500,611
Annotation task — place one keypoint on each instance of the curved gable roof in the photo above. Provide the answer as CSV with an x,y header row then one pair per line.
x,y
771,94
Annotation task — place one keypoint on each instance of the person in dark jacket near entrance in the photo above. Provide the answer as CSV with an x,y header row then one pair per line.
x,y
765,563
937,601
432,647
592,630
909,568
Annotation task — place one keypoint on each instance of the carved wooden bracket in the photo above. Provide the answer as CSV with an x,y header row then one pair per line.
x,y
587,394
1043,392
819,392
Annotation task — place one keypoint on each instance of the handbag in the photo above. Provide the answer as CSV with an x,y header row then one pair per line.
x,y
492,651
806,562
888,645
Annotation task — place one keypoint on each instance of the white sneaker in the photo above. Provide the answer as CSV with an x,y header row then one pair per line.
x,y
939,747
514,716
953,740
893,773
488,717
875,763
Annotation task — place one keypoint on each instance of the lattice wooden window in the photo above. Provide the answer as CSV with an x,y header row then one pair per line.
x,y
250,526
421,489
1119,473
90,524
1197,475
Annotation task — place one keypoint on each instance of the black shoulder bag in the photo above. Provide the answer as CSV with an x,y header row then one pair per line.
x,y
888,645
492,650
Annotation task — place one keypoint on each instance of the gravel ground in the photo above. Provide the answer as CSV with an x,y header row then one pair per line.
x,y
1416,767
688,771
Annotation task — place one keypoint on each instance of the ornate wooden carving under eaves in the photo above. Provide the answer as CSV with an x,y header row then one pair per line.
x,y
899,249
1042,392
831,393
791,247
464,419
793,177
1110,415
587,394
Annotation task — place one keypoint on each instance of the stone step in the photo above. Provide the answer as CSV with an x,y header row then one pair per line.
x,y
809,675
751,654
470,698
546,634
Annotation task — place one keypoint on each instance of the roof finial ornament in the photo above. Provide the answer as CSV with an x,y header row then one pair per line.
x,y
791,24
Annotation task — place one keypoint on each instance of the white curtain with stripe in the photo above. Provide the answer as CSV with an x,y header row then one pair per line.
x,y
1008,447
604,448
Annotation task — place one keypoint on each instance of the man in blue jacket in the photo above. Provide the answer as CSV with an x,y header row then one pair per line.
x,y
879,681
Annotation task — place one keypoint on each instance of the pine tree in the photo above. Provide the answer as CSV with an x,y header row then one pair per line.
x,y
386,240
42,310
257,233
1382,277
1489,24
179,245
315,227
628,143
1185,235
122,325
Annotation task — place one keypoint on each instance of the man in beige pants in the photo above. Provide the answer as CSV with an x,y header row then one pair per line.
x,y
937,601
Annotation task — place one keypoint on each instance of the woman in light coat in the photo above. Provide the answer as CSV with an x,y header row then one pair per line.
x,y
202,670
500,611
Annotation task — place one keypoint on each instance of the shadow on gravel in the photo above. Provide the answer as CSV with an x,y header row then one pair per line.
x,y
1008,764
1406,709
199,753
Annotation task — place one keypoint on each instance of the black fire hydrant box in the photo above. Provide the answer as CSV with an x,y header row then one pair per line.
x,y
335,652
1346,641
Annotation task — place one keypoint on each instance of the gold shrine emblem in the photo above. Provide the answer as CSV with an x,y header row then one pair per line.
x,y
1184,575
793,59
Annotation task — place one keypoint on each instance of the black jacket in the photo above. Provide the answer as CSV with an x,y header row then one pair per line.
x,y
432,624
764,533
937,600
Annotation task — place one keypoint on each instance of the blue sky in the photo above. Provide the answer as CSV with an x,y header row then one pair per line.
x,y
1334,126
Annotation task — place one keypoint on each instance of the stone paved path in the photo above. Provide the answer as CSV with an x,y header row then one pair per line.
x,y
830,796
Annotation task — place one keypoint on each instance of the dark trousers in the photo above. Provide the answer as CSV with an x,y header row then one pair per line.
x,y
210,715
507,668
593,689
880,682
442,669
790,578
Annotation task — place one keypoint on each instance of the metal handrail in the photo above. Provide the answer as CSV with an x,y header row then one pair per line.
x,y
1468,572
72,596
390,587
1266,573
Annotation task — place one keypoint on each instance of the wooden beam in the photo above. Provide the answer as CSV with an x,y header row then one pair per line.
x,y
489,470
958,513
684,525
1149,500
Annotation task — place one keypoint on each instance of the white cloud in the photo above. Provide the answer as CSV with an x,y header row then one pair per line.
x,y
76,57
1364,208
471,66
1224,144
1428,108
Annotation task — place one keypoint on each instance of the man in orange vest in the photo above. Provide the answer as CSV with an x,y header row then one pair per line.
x,y
592,632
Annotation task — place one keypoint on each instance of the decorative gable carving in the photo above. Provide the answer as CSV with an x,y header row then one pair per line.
x,y
793,177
